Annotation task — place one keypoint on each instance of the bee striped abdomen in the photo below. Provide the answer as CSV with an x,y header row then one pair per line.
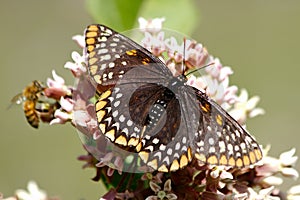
x,y
31,114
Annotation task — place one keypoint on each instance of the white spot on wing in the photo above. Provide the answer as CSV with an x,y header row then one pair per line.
x,y
177,146
212,150
115,113
111,65
102,51
122,118
183,140
110,75
155,140
169,151
129,123
116,104
105,57
162,147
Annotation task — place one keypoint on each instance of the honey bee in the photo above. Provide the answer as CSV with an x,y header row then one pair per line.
x,y
35,105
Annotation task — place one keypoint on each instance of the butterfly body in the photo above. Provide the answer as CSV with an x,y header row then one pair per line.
x,y
168,123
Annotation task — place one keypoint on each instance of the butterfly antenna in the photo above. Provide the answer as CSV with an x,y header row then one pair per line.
x,y
212,63
183,58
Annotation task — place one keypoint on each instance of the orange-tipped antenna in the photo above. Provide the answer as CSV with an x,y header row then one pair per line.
x,y
212,63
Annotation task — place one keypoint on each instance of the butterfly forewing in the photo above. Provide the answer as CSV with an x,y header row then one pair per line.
x,y
111,55
144,109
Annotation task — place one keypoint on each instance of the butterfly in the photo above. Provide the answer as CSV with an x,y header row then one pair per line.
x,y
143,107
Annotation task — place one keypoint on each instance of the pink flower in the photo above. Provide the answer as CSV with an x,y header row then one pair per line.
x,y
107,160
65,113
56,87
154,43
218,71
196,55
175,51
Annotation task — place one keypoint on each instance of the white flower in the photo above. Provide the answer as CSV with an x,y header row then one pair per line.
x,y
294,193
272,166
34,192
262,194
288,158
245,107
273,180
151,25
290,172
78,67
79,39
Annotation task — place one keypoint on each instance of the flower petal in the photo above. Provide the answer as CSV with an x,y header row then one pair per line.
x,y
243,95
266,191
171,196
110,171
152,198
273,180
287,158
79,39
290,172
23,195
62,115
56,121
251,103
57,78
154,187
294,190
167,186
110,195
255,112
67,104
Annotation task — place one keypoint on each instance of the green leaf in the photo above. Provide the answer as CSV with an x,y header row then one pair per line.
x,y
118,14
123,14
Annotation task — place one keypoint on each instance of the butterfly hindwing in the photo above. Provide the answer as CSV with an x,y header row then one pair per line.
x,y
221,140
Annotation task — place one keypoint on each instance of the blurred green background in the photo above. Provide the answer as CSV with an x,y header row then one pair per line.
x,y
260,40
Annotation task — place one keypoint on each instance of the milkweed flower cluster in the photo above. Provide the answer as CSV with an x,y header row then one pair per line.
x,y
196,180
